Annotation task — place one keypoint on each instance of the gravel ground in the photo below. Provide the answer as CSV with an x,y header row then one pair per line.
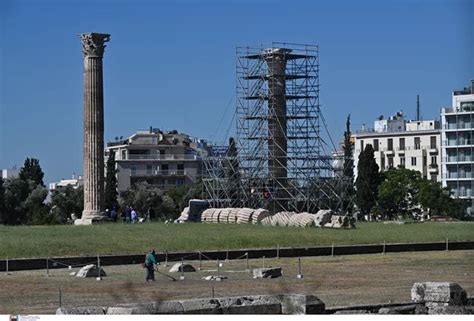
x,y
347,280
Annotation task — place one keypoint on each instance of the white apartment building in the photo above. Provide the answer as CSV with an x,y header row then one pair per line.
x,y
162,159
75,181
411,144
10,173
458,146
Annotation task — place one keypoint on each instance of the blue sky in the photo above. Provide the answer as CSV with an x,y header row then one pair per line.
x,y
171,64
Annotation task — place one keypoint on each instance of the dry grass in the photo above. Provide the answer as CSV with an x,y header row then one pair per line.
x,y
345,280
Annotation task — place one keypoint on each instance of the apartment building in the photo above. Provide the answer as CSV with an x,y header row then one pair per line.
x,y
458,146
397,142
162,159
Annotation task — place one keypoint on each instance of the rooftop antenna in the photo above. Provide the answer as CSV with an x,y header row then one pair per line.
x,y
417,107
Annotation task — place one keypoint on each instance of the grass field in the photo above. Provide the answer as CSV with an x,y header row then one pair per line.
x,y
67,240
339,280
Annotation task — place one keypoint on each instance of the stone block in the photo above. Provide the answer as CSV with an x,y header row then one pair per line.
x,y
451,310
89,271
404,309
259,215
185,267
441,292
352,312
263,273
301,304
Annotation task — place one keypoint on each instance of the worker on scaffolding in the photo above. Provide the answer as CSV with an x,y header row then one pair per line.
x,y
150,265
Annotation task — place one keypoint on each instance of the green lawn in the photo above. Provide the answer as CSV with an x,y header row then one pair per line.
x,y
67,240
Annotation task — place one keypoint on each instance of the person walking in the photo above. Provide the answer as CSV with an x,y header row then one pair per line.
x,y
134,216
113,214
150,264
128,214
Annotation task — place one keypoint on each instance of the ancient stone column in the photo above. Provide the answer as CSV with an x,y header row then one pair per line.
x,y
93,49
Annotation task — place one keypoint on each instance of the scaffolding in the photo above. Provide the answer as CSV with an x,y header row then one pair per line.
x,y
281,160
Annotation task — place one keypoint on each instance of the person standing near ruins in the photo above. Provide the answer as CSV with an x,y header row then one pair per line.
x,y
150,264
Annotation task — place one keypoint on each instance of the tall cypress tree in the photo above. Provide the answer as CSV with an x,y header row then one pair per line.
x,y
2,201
368,180
111,182
31,170
348,170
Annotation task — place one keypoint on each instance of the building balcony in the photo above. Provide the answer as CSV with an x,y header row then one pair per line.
x,y
459,176
458,159
456,127
161,157
155,173
433,168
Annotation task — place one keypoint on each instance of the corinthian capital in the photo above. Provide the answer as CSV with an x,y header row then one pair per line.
x,y
93,44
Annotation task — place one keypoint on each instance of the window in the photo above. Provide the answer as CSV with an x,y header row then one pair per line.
x,y
376,145
390,162
390,144
361,146
417,143
149,169
433,160
133,169
402,161
401,142
179,181
124,154
413,161
433,142
180,167
382,163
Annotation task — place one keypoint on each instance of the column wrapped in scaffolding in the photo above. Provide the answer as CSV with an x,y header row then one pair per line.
x,y
281,158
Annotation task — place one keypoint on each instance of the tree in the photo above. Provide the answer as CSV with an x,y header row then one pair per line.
x,y
438,201
31,170
111,182
368,180
348,169
398,193
141,197
16,192
2,201
38,212
66,200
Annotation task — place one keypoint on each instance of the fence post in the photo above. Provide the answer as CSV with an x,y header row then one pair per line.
x,y
200,261
98,268
218,268
263,261
212,292
47,267
60,298
182,269
6,262
278,251
447,245
332,249
247,259
227,255
383,252
166,258
299,276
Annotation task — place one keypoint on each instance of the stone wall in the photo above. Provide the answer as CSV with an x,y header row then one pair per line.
x,y
427,298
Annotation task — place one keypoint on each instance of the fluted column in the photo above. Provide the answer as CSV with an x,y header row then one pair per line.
x,y
93,49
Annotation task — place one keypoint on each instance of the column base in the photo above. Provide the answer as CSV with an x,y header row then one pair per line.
x,y
92,217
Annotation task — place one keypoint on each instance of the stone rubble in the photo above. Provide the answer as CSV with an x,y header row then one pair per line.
x,y
90,271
